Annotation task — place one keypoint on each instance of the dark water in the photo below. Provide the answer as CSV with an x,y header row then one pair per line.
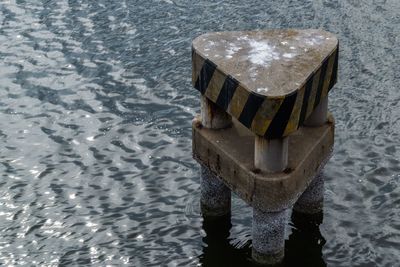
x,y
96,105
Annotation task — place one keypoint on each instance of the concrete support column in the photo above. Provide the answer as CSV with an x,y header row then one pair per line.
x,y
312,200
268,236
271,155
212,116
215,195
320,114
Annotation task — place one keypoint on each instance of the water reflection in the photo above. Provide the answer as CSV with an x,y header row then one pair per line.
x,y
302,248
217,250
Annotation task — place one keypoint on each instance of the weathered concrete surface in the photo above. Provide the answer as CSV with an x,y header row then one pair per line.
x,y
215,195
212,116
271,63
312,200
271,155
270,81
320,114
215,199
268,234
229,154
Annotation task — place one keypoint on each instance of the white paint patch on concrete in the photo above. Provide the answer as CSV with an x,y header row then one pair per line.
x,y
262,90
210,44
243,38
289,55
253,73
262,53
310,39
232,49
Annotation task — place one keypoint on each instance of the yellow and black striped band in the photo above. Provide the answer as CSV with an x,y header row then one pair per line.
x,y
265,116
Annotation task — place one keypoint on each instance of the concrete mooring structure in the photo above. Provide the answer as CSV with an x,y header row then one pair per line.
x,y
264,131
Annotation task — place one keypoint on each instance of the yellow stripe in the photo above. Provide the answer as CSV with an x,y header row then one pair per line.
x,y
265,114
311,99
197,64
238,101
328,75
295,116
215,85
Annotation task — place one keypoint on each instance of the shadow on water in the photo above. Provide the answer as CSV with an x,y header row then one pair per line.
x,y
303,247
217,250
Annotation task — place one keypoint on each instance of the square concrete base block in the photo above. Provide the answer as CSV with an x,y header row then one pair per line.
x,y
229,154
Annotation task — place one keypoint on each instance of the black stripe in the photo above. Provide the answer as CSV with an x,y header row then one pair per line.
x,y
205,76
278,124
334,70
250,109
227,91
306,97
321,82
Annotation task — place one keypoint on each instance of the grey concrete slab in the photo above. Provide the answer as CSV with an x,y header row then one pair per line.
x,y
229,154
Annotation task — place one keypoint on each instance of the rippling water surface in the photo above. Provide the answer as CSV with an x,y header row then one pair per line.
x,y
96,106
